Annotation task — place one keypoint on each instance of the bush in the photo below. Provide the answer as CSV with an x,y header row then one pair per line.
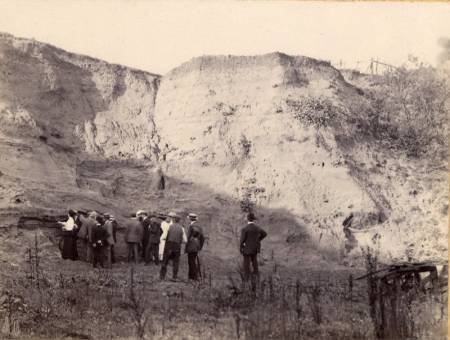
x,y
409,111
318,112
246,146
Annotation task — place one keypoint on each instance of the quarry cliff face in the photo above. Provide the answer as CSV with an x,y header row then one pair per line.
x,y
80,101
271,131
59,108
262,130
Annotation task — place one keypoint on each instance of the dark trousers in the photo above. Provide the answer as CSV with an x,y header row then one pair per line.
x,y
133,251
254,275
97,256
108,253
113,254
193,266
82,249
171,252
90,252
151,253
144,248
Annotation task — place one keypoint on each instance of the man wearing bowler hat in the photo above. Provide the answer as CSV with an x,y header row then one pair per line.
x,y
195,240
250,246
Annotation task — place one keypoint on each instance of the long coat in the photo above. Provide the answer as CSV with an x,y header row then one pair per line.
x,y
251,236
87,226
110,228
134,232
154,231
176,234
99,236
195,238
82,232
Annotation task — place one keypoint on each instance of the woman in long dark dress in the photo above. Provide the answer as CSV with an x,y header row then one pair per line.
x,y
69,234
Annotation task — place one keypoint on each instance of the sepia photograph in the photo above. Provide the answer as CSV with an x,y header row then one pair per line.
x,y
246,170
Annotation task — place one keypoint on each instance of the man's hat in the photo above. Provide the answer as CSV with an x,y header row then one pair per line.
x,y
172,214
192,216
251,217
141,212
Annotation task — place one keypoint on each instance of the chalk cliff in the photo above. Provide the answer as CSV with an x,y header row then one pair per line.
x,y
271,132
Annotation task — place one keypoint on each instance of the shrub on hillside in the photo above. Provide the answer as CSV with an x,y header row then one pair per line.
x,y
409,111
318,112
246,146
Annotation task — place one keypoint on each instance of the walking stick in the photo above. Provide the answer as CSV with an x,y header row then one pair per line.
x,y
199,268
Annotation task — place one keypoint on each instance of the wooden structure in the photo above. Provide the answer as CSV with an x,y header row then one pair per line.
x,y
392,290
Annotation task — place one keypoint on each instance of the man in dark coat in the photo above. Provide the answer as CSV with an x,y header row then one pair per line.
x,y
154,234
99,241
111,228
85,233
195,240
114,226
82,237
250,246
172,250
145,229
79,244
133,237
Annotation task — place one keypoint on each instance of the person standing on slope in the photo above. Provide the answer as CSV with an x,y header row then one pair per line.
x,y
133,237
172,249
195,240
145,228
99,241
69,241
111,228
154,237
85,234
250,246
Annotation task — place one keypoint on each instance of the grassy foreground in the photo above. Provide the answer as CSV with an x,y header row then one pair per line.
x,y
48,298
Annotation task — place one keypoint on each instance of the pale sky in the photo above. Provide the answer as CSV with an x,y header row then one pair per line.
x,y
157,36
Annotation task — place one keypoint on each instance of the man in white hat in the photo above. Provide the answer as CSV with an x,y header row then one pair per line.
x,y
172,249
145,221
195,240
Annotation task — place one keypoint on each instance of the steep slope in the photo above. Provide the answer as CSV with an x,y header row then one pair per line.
x,y
57,109
274,132
281,131
414,189
262,129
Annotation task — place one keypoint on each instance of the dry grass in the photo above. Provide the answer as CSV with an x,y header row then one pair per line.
x,y
131,304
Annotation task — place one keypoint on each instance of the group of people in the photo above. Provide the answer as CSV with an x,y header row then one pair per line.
x,y
93,236
89,237
154,238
